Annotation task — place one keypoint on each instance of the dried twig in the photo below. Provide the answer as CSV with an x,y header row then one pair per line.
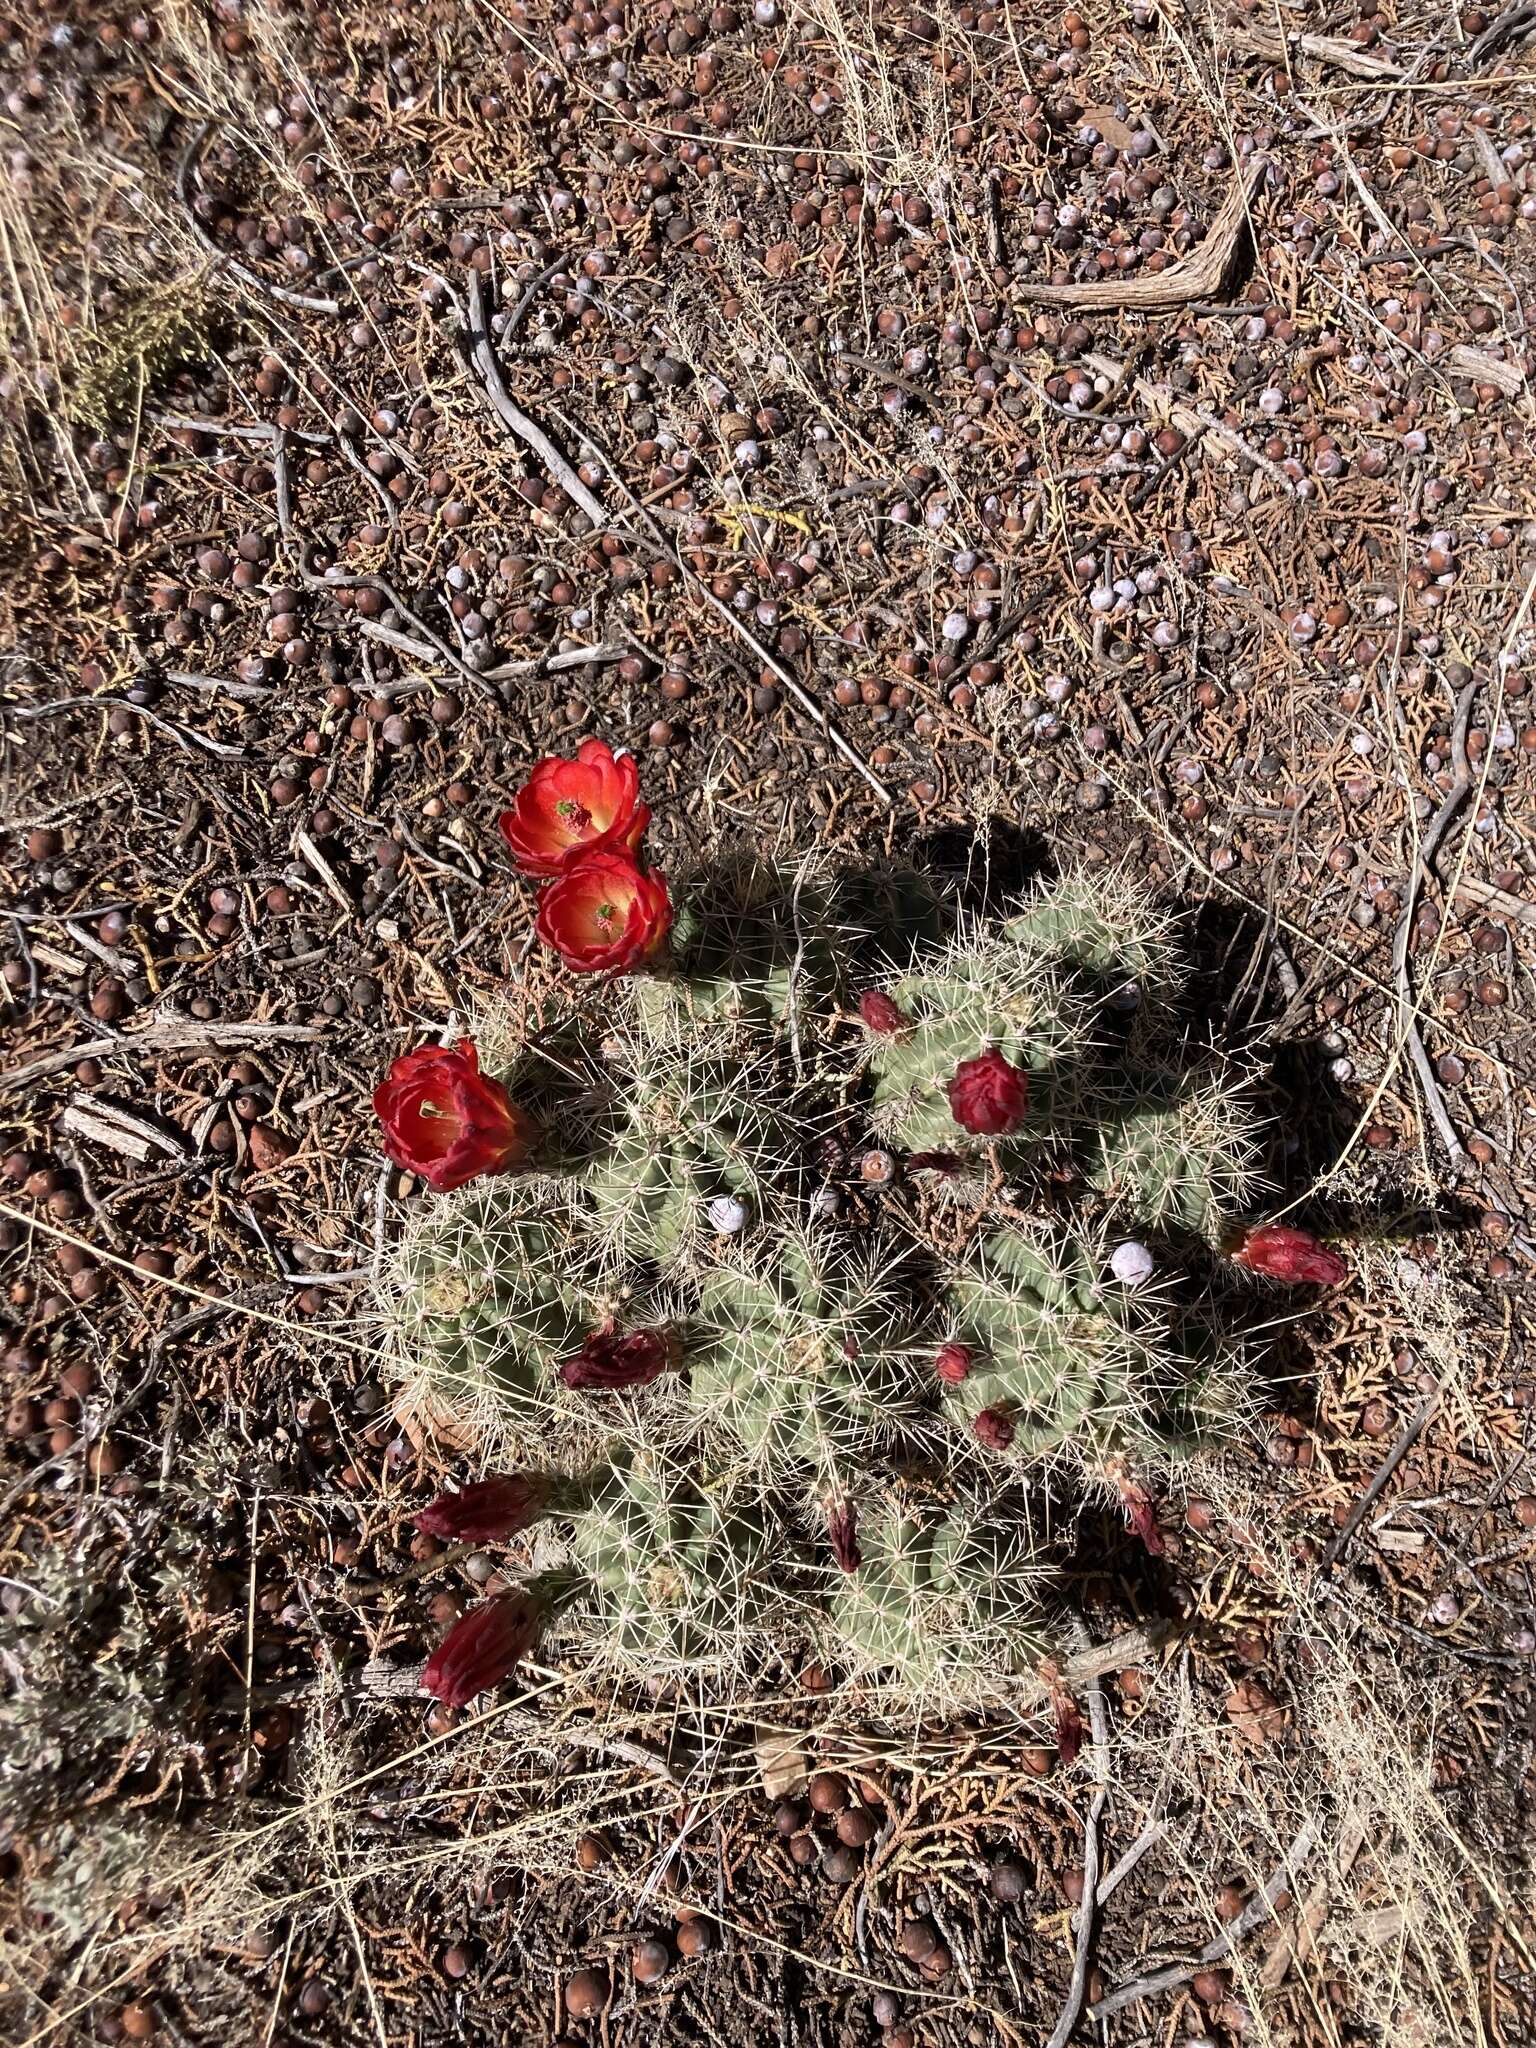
x,y
1434,832
304,302
1077,1990
1199,275
477,349
1258,1908
169,1034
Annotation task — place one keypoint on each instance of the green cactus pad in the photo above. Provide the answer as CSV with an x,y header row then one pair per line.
x,y
1064,1354
805,1363
943,1593
679,1572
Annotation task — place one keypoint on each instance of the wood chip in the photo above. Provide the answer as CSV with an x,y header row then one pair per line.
x,y
1485,368
118,1129
1267,41
782,1764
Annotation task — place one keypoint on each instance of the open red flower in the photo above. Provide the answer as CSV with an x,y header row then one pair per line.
x,y
1285,1254
602,915
608,1362
568,808
480,1650
843,1534
448,1122
989,1095
487,1510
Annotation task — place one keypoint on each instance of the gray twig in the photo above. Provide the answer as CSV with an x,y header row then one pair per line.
x,y
1258,1908
1077,1990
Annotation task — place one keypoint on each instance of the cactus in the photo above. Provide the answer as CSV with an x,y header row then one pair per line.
x,y
678,1571
946,1597
1180,1153
979,993
853,1381
803,1369
1074,1362
490,1296
693,1122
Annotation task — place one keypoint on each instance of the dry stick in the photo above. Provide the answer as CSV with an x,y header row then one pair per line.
x,y
1077,1990
175,1034
1257,1909
431,643
304,301
1407,1438
476,347
1197,276
1148,1839
1456,796
1270,42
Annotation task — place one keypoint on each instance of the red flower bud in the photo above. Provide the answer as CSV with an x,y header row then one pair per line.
x,y
952,1363
487,1510
480,1650
1069,1724
843,1534
448,1122
1140,1514
993,1429
989,1095
881,1014
607,1361
568,808
933,1162
603,915
1285,1254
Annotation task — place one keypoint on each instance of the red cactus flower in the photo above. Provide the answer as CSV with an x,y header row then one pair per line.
x,y
843,1534
487,1510
603,915
568,808
952,1363
989,1095
607,1362
993,1429
881,1014
448,1122
1285,1254
480,1650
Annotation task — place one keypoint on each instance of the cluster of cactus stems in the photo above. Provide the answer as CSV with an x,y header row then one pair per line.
x,y
786,1354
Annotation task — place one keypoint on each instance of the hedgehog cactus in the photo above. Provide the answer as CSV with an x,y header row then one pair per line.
x,y
495,1290
692,1124
1074,1362
676,1571
804,1371
840,1379
945,1595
